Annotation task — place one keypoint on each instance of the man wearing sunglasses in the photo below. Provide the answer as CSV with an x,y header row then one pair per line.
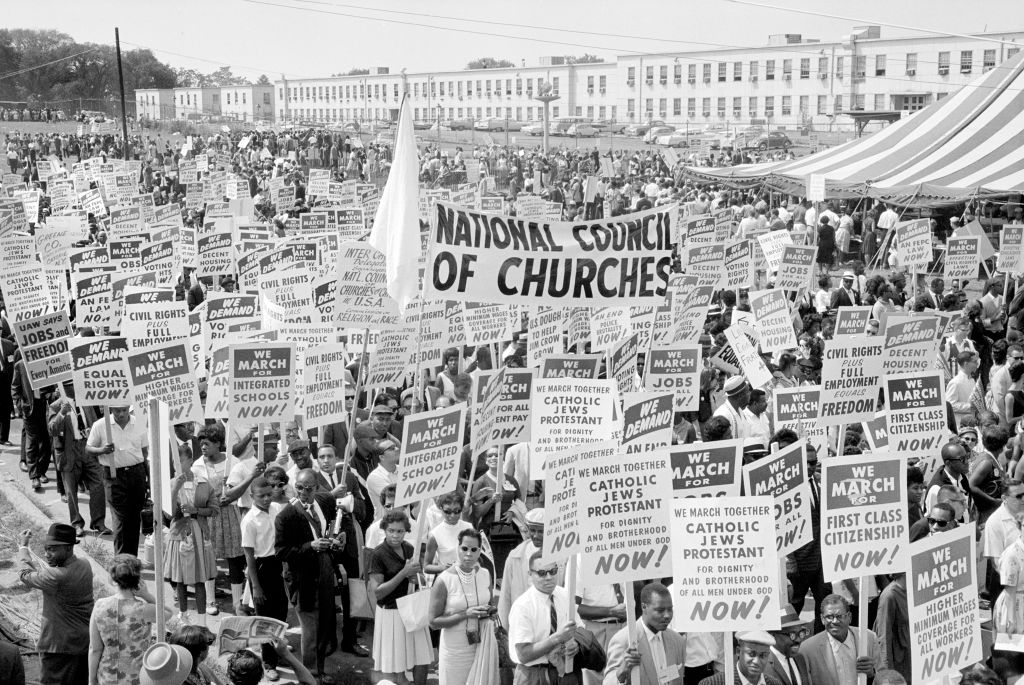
x,y
540,634
787,665
954,472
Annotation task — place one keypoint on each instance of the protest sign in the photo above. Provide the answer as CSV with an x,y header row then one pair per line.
x,y
580,366
914,244
16,250
622,364
725,564
153,317
44,348
647,421
164,372
608,325
577,328
511,390
623,517
706,469
962,258
910,344
690,302
215,250
389,363
478,257
262,382
772,320
92,298
431,454
864,528
797,409
772,245
485,323
783,477
224,309
876,432
323,398
852,320
561,510
697,229
125,222
707,262
641,320
744,358
675,369
942,603
915,413
738,264
100,371
849,379
974,229
568,412
1011,249
544,338
25,290
796,267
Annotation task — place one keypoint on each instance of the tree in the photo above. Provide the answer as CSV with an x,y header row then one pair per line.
x,y
358,71
489,63
224,77
585,58
263,80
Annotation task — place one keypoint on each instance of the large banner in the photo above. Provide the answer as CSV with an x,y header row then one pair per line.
x,y
478,257
864,528
942,599
724,563
706,469
783,476
624,517
849,379
431,454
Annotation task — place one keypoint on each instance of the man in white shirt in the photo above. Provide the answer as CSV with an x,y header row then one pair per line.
x,y
961,387
992,316
384,474
540,634
247,469
756,416
659,653
832,655
603,611
1001,531
263,568
1000,384
516,579
888,219
737,396
121,444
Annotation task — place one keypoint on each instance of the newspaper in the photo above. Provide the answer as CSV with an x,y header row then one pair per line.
x,y
241,632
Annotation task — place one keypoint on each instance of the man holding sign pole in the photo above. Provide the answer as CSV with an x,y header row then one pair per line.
x,y
659,652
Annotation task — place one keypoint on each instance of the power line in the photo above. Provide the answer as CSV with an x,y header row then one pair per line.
x,y
203,59
865,21
19,72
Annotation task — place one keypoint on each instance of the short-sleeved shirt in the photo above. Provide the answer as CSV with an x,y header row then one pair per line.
x,y
258,530
529,620
240,473
128,442
386,562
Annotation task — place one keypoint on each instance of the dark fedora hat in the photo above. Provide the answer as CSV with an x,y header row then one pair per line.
x,y
60,534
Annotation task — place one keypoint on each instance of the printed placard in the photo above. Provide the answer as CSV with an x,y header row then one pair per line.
x,y
910,344
647,421
772,320
581,366
796,267
153,317
608,326
797,409
725,564
850,374
100,371
624,517
323,397
561,511
783,476
772,244
864,528
706,469
1011,249
568,412
389,363
852,320
544,338
914,244
484,324
677,370
739,270
26,292
622,364
165,372
262,382
942,602
745,355
915,414
431,451
962,258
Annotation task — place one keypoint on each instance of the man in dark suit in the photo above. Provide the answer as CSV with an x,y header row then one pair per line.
x,y
753,653
35,439
665,668
805,571
844,295
305,545
351,507
75,465
786,665
832,655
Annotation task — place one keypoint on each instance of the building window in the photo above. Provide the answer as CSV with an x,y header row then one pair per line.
x,y
753,70
769,70
879,65
787,105
677,72
721,107
988,59
691,107
911,63
737,71
488,110
769,107
805,67
722,67
805,102
1010,52
600,112
601,81
590,112
822,66
631,107
839,66
787,68
649,74
879,102
966,61
939,96
838,107
858,102
630,74
662,108
707,73
280,93
663,73
943,63
691,72
860,66
737,107
243,98
614,108
822,107
649,107
590,83
677,107
752,106
705,106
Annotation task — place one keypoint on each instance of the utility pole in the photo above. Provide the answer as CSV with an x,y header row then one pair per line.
x,y
120,83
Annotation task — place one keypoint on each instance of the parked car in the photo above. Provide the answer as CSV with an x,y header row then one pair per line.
x,y
535,129
460,124
641,129
582,131
775,140
609,125
420,125
654,132
681,137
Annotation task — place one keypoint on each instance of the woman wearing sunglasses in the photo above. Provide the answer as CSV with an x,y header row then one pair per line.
x,y
462,601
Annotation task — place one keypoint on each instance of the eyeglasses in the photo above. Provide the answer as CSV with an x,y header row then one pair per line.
x,y
798,634
831,618
953,461
452,512
549,573
937,522
471,550
1017,356
277,485
1019,495
305,488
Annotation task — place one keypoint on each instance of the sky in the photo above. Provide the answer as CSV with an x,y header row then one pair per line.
x,y
308,38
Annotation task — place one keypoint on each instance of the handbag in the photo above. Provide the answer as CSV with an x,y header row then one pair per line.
x,y
501,638
360,606
414,610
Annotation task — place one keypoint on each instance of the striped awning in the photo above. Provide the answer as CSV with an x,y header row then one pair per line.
x,y
969,144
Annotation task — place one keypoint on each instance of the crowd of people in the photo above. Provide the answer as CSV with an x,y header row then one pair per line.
x,y
304,527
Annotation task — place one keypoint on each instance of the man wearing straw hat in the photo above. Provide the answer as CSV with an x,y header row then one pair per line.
x,y
66,584
786,665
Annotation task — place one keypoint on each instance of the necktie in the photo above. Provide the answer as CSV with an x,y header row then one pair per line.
x,y
330,479
814,493
553,613
792,672
313,519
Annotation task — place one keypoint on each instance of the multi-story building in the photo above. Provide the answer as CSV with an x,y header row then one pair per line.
x,y
788,82
247,103
196,103
154,103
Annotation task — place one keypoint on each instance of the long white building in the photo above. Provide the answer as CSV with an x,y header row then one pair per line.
x,y
789,82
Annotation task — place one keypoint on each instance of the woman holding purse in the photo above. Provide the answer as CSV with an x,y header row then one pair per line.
x,y
462,602
188,556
